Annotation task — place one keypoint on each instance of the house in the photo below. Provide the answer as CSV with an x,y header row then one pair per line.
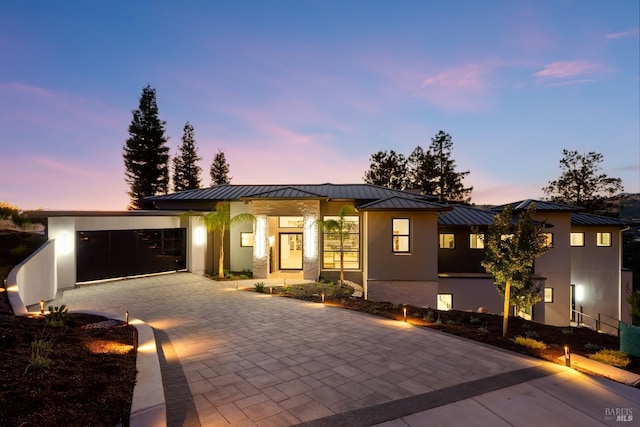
x,y
403,247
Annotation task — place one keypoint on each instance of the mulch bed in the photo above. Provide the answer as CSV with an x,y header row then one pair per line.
x,y
89,379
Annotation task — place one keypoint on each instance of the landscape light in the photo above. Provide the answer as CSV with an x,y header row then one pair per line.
x,y
322,295
126,317
41,306
404,313
271,290
567,356
236,286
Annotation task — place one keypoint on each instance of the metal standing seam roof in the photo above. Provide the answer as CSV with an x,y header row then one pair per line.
x,y
403,203
582,218
541,206
466,215
330,191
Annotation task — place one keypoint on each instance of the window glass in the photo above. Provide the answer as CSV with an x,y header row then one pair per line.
x,y
548,239
246,239
577,239
476,241
401,234
447,241
290,221
445,301
603,239
548,294
350,244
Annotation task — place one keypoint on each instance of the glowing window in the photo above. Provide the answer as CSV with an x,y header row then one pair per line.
x,y
401,234
476,241
548,294
577,239
246,240
447,241
603,239
350,243
548,239
290,221
445,301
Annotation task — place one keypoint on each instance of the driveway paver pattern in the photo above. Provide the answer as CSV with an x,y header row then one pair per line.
x,y
243,358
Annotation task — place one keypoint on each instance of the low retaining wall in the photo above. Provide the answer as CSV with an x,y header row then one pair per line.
x,y
34,279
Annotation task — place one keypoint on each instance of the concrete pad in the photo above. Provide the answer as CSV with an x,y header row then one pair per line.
x,y
464,412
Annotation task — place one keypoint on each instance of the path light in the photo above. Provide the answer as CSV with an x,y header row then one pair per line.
x,y
322,295
404,313
236,286
126,317
567,356
41,306
271,290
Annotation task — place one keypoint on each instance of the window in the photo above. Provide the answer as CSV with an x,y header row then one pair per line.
x,y
246,239
577,239
476,241
548,294
401,233
350,244
548,240
445,301
447,241
603,239
290,221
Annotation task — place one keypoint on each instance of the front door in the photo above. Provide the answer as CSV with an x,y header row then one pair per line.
x,y
290,251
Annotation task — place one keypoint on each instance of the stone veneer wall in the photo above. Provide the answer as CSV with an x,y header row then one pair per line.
x,y
417,293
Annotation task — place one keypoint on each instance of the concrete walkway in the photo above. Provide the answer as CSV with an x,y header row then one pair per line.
x,y
241,358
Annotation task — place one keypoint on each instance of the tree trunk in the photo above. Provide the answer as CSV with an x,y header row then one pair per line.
x,y
221,259
505,318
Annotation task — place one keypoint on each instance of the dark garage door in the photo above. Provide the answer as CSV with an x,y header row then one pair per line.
x,y
121,253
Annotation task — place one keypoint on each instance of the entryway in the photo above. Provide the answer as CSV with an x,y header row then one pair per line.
x,y
290,251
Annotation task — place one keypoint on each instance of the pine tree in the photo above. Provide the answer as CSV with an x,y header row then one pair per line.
x,y
145,153
581,184
186,172
448,182
387,170
421,171
220,170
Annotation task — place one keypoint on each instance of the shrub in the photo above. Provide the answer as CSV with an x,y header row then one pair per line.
x,y
484,328
530,333
474,320
634,300
590,346
429,316
530,343
57,316
259,286
244,276
19,251
567,331
611,357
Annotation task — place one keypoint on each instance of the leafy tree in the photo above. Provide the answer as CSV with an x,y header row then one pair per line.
x,y
582,184
420,171
633,298
448,182
220,170
220,221
145,153
510,250
340,229
387,170
186,172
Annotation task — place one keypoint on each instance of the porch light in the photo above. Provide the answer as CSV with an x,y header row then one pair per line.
x,y
200,236
579,293
272,240
567,356
41,306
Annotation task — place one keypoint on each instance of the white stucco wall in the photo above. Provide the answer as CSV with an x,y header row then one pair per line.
x,y
34,279
240,257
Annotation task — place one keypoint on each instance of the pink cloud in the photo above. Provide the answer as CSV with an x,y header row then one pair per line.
x,y
623,34
564,69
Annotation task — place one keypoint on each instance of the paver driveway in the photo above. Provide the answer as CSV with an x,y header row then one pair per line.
x,y
252,359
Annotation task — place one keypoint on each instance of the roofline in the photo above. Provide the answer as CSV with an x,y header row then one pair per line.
x,y
72,213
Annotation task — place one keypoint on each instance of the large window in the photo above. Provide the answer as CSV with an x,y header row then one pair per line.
x,y
603,239
577,239
401,235
476,241
350,244
447,241
445,301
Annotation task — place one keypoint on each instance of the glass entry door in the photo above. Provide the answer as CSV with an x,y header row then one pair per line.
x,y
290,251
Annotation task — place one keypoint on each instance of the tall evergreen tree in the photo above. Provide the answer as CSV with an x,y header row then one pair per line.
x,y
220,170
448,182
145,153
186,172
582,184
387,170
421,171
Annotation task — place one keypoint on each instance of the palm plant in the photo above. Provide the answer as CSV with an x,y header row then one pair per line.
x,y
220,221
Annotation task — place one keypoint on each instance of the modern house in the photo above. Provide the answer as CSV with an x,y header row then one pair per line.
x,y
402,247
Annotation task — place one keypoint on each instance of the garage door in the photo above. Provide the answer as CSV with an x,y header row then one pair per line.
x,y
121,253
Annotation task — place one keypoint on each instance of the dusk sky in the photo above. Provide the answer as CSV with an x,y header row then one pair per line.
x,y
298,92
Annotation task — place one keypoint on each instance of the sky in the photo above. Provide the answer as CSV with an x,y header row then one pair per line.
x,y
297,92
